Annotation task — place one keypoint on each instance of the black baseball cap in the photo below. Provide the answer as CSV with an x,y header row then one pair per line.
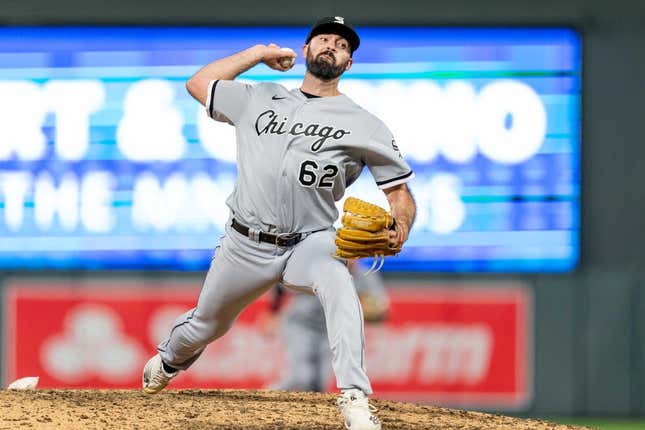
x,y
335,25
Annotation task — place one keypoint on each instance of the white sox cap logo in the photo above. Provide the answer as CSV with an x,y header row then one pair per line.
x,y
339,19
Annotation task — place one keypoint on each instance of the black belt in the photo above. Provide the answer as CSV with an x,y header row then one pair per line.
x,y
285,239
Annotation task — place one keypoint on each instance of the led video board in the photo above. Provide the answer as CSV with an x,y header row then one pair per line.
x,y
106,162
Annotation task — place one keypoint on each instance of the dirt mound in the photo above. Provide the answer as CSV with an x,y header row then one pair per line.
x,y
224,409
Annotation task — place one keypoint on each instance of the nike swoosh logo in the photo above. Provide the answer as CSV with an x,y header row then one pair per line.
x,y
277,98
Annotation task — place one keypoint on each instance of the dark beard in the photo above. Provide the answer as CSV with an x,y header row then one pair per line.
x,y
323,69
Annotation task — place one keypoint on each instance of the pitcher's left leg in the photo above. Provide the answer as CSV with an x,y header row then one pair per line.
x,y
312,265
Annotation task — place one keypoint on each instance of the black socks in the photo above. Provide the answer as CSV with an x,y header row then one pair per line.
x,y
167,368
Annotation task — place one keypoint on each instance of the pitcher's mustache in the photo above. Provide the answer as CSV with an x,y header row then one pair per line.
x,y
331,54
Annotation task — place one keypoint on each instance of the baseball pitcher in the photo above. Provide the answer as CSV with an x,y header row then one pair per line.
x,y
297,152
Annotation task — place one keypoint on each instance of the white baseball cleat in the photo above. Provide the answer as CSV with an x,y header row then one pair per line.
x,y
357,412
155,378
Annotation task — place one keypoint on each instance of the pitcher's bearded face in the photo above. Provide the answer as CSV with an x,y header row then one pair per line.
x,y
328,56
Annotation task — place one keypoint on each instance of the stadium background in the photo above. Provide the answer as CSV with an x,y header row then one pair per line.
x,y
588,349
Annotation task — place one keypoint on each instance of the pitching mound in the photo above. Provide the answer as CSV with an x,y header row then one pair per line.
x,y
224,409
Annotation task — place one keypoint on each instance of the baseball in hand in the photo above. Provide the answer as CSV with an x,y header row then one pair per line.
x,y
287,62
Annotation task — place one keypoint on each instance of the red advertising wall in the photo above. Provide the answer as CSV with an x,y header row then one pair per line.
x,y
459,345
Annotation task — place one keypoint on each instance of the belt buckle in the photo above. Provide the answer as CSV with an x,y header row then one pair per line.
x,y
286,239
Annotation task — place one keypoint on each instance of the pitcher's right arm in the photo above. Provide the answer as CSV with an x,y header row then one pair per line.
x,y
229,68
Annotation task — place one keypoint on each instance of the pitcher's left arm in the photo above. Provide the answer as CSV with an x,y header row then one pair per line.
x,y
403,209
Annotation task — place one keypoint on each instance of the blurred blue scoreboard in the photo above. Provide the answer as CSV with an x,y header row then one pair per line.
x,y
107,163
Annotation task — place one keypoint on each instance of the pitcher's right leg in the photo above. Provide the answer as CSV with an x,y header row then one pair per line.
x,y
240,272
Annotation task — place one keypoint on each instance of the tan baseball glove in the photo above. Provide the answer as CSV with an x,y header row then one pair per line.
x,y
365,231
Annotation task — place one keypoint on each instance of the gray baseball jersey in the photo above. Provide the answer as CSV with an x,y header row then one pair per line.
x,y
296,155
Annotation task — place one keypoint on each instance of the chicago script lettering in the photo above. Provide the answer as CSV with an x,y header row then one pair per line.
x,y
268,122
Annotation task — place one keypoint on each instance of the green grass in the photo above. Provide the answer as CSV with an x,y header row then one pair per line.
x,y
604,423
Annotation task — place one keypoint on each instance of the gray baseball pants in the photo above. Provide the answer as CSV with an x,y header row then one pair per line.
x,y
242,270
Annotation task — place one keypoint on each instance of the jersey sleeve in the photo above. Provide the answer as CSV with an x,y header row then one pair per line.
x,y
384,159
227,100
